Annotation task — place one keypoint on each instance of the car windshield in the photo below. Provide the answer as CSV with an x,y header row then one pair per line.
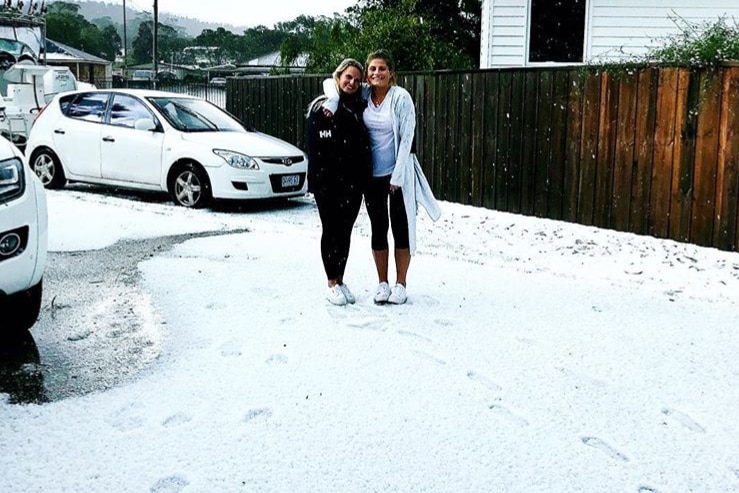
x,y
195,115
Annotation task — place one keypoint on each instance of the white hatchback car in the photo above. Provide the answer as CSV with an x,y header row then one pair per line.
x,y
153,140
23,241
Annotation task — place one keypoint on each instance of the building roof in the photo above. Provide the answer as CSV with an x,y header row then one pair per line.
x,y
59,52
273,59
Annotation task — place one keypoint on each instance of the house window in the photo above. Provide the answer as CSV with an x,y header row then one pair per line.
x,y
557,31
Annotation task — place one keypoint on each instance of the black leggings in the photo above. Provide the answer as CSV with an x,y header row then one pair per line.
x,y
338,214
376,199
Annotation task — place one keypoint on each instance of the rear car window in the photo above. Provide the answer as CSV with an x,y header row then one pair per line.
x,y
88,106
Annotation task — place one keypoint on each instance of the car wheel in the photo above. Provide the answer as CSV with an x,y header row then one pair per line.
x,y
190,186
48,168
26,306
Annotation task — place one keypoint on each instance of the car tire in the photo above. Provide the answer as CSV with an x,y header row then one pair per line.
x,y
189,186
48,168
26,306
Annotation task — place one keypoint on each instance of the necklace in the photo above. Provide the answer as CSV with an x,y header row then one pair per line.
x,y
377,100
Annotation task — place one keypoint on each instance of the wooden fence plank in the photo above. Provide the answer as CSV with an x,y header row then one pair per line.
x,y
625,152
543,144
463,139
555,199
646,121
513,175
476,134
664,146
574,139
452,144
727,215
428,126
503,140
684,156
490,132
706,155
528,151
607,127
419,96
443,165
589,150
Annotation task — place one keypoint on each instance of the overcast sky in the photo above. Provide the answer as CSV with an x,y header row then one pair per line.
x,y
243,12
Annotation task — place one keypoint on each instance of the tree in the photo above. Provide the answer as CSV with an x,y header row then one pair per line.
x,y
454,26
171,43
141,48
65,24
421,35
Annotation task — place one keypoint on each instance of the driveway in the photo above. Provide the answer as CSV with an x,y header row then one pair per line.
x,y
96,328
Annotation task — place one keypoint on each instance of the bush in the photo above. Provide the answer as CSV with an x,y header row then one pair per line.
x,y
705,44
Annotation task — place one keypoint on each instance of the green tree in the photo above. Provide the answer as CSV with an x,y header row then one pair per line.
x,y
171,43
454,26
141,48
421,35
261,40
65,24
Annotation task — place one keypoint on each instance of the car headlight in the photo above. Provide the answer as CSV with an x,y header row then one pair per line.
x,y
12,182
237,160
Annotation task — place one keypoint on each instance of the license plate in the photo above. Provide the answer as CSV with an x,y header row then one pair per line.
x,y
291,180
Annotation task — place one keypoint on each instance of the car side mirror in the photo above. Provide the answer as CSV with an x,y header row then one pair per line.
x,y
146,124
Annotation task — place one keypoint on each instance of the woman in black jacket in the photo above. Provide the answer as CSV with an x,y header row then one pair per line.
x,y
339,168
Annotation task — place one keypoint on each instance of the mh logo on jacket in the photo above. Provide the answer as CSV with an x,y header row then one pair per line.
x,y
324,134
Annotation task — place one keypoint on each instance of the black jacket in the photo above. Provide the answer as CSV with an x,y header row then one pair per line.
x,y
339,154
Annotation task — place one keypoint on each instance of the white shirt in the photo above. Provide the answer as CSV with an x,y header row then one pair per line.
x,y
379,123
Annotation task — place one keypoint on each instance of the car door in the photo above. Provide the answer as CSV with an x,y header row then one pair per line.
x,y
128,153
76,136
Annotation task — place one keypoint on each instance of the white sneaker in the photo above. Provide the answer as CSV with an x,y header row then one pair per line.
x,y
347,294
335,295
397,295
383,293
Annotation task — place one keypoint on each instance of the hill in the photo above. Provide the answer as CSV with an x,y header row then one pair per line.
x,y
192,27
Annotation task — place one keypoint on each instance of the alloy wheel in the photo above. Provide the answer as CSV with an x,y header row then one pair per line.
x,y
45,168
188,188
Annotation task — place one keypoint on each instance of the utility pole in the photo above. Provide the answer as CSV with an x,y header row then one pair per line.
x,y
154,48
125,43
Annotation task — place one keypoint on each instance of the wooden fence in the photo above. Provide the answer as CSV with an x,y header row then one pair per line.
x,y
650,151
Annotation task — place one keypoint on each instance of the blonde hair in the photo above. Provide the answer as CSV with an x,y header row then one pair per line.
x,y
345,64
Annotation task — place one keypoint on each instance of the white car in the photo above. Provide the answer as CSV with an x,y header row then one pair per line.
x,y
23,241
153,140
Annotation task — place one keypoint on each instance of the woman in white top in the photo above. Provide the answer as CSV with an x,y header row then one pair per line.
x,y
398,183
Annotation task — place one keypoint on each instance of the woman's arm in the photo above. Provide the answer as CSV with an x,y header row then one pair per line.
x,y
332,93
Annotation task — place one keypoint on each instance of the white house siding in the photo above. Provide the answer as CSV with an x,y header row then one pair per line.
x,y
624,29
503,33
616,29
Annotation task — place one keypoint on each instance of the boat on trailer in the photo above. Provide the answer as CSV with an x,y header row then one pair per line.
x,y
27,83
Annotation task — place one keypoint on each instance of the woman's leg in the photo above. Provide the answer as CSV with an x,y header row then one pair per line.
x,y
348,211
377,209
399,221
330,255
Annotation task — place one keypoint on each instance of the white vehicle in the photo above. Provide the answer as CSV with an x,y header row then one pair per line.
x,y
23,241
153,140
143,75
